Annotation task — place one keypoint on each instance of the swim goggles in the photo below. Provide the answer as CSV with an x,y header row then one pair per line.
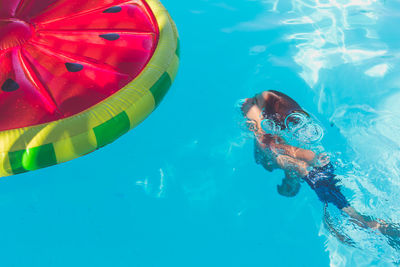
x,y
303,128
269,126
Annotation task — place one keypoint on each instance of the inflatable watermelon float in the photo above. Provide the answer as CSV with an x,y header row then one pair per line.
x,y
76,75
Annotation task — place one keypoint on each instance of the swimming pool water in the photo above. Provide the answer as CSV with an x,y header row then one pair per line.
x,y
183,189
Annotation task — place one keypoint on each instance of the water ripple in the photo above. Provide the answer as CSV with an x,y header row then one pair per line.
x,y
327,41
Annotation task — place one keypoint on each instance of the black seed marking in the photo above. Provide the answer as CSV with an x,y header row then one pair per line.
x,y
114,9
74,67
9,85
110,36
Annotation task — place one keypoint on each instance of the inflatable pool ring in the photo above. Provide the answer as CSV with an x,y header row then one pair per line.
x,y
76,75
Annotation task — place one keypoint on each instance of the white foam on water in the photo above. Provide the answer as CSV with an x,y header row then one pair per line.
x,y
373,175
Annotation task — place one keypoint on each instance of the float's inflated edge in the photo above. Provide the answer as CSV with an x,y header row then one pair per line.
x,y
48,144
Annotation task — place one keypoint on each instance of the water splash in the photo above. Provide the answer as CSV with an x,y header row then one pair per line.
x,y
344,59
372,172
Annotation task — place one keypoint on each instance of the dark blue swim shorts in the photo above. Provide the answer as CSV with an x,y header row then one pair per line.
x,y
322,180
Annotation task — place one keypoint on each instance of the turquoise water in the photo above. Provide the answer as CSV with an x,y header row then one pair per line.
x,y
182,189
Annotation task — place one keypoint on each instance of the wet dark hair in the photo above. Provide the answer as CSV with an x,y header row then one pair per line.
x,y
278,108
289,187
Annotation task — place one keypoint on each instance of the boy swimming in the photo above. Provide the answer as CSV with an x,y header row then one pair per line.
x,y
272,113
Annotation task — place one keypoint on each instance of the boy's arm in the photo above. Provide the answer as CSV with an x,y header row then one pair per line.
x,y
294,152
301,154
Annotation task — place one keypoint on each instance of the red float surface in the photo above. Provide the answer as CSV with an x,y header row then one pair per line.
x,y
61,57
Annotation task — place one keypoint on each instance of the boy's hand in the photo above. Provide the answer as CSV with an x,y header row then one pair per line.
x,y
321,160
